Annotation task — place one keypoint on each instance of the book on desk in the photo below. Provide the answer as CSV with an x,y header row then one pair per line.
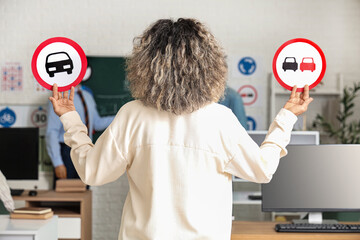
x,y
32,213
70,185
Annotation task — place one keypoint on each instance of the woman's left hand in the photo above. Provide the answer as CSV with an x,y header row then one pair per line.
x,y
62,103
298,102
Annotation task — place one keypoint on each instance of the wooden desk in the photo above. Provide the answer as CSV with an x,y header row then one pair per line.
x,y
73,209
265,230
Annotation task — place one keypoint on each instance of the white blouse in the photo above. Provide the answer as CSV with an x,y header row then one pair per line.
x,y
179,167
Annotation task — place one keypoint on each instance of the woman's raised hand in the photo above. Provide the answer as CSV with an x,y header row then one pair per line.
x,y
298,102
62,103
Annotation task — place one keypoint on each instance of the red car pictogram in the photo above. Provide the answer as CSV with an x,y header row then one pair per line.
x,y
307,64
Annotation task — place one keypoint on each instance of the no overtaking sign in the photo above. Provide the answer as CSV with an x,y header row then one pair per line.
x,y
299,62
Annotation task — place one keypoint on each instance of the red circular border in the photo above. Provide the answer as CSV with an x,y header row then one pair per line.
x,y
71,43
294,41
256,94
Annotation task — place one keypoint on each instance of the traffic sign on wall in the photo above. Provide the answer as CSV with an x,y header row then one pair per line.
x,y
7,117
256,120
249,94
24,116
251,123
39,117
247,65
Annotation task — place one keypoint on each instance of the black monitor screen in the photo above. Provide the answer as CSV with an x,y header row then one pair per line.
x,y
19,149
315,179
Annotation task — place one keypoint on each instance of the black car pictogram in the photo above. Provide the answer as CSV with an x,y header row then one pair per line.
x,y
290,64
58,62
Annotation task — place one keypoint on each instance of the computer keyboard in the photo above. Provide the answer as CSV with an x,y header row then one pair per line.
x,y
318,228
16,192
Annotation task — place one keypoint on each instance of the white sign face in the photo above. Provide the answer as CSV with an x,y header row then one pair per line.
x,y
299,62
61,61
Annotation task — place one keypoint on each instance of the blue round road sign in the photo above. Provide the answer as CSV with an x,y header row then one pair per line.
x,y
247,66
7,117
251,123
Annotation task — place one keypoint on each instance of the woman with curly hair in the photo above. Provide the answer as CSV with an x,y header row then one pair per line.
x,y
177,145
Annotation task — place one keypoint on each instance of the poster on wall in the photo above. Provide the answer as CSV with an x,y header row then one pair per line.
x,y
39,89
12,77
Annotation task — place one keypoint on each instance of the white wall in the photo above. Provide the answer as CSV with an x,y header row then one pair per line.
x,y
106,28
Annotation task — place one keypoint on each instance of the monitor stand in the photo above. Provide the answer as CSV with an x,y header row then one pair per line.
x,y
315,218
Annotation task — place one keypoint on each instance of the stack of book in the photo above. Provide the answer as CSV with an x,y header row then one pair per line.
x,y
70,185
32,213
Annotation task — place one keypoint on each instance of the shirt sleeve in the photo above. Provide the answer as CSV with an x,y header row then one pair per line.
x,y
99,123
96,164
258,164
52,137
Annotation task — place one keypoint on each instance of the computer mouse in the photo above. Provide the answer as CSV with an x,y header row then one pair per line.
x,y
32,193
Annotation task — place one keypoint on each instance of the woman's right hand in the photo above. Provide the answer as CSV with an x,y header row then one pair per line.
x,y
298,102
61,103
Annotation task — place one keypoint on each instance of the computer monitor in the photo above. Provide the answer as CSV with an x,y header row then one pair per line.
x,y
315,179
297,138
19,149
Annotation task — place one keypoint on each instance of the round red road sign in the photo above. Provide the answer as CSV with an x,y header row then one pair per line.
x,y
299,62
249,94
59,60
39,117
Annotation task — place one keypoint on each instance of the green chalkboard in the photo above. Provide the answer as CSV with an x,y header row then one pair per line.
x,y
108,83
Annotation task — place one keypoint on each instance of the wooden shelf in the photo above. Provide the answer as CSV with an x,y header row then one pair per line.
x,y
66,212
69,207
52,196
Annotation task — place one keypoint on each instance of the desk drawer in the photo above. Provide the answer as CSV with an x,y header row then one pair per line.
x,y
69,228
